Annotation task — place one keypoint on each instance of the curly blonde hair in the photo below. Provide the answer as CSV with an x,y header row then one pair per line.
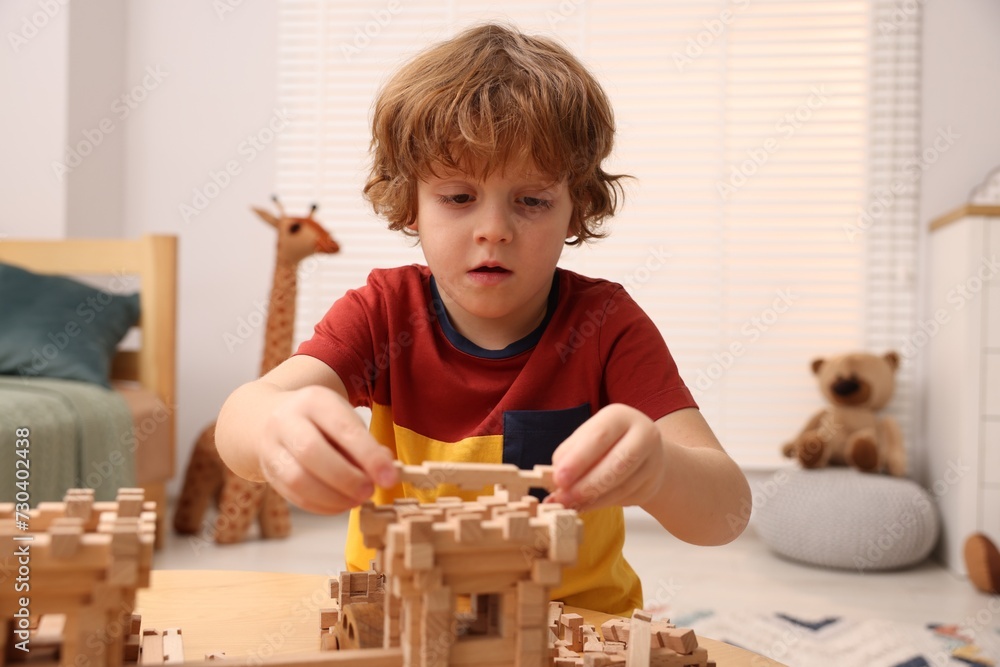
x,y
487,98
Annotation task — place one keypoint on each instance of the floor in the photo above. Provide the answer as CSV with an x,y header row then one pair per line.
x,y
678,578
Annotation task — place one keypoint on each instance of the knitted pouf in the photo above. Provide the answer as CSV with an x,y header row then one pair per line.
x,y
842,518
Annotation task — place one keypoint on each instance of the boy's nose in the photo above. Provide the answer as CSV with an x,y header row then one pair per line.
x,y
494,225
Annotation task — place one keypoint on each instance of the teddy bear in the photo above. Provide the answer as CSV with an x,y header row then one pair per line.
x,y
849,431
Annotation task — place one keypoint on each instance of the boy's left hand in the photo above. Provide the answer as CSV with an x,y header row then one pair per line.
x,y
614,458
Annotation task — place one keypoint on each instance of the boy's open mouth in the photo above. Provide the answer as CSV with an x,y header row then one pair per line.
x,y
490,269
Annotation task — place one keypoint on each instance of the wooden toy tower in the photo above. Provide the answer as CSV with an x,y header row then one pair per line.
x,y
79,563
504,553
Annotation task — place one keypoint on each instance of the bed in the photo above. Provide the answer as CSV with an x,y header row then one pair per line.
x,y
118,429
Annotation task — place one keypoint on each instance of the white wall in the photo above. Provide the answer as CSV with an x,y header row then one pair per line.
x,y
961,96
34,70
178,89
218,85
961,90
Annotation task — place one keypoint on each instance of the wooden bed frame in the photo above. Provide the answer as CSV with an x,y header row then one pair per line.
x,y
153,259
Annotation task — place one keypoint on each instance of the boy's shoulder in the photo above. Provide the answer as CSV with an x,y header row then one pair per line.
x,y
399,278
579,286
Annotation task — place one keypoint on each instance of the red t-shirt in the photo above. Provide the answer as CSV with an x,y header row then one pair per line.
x,y
437,396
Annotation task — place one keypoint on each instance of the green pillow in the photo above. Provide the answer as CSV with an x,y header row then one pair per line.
x,y
56,327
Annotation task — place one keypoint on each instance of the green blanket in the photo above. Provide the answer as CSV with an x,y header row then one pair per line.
x,y
79,435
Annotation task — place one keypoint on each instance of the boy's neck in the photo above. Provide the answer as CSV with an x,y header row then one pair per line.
x,y
500,333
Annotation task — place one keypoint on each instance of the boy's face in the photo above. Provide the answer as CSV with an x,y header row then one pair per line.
x,y
492,247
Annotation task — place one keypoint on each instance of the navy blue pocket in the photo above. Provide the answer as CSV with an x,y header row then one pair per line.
x,y
530,436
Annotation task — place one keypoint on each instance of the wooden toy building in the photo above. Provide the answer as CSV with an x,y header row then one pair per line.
x,y
453,583
73,575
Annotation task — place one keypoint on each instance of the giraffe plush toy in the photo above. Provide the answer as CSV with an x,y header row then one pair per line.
x,y
207,478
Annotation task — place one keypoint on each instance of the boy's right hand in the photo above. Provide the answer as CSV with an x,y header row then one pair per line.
x,y
316,451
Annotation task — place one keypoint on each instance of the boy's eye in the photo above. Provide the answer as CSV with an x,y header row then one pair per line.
x,y
456,199
535,202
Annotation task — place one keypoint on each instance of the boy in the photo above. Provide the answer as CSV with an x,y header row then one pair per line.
x,y
488,148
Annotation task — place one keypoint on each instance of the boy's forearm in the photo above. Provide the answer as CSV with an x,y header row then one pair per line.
x,y
704,499
240,423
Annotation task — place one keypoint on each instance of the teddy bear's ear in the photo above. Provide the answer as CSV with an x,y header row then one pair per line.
x,y
892,358
817,364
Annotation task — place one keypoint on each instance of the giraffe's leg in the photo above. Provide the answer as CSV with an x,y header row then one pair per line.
x,y
202,482
275,518
238,506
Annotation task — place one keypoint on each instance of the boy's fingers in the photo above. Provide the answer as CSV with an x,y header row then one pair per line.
x,y
312,452
618,464
352,439
309,493
584,448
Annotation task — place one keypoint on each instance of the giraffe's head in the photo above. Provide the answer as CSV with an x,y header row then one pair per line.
x,y
298,238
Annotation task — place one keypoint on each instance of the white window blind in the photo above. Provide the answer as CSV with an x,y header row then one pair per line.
x,y
759,134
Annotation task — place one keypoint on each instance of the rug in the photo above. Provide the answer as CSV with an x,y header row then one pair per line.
x,y
833,641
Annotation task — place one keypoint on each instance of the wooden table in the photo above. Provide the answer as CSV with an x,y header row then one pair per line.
x,y
252,616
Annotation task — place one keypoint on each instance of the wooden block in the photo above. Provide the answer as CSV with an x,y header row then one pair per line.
x,y
614,647
49,632
335,588
564,537
129,505
130,650
418,534
516,527
681,640
546,573
65,539
124,572
329,617
152,647
125,537
555,611
597,660
173,646
531,648
79,506
639,640
550,508
615,629
468,528
532,605
135,624
572,631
